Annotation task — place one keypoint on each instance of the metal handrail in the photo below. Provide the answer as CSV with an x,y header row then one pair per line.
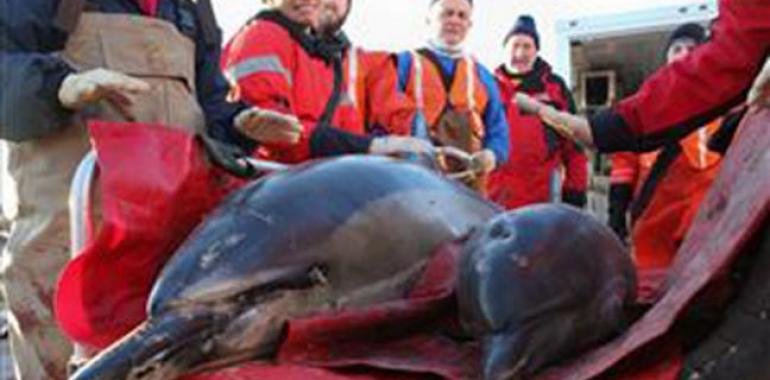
x,y
80,202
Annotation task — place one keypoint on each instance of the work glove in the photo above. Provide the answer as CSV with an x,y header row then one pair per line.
x,y
393,145
268,126
759,95
571,127
527,104
619,201
81,89
575,198
483,161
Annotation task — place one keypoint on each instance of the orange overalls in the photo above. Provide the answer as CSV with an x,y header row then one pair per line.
x,y
669,186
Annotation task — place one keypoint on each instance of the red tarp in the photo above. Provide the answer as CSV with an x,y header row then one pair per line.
x,y
406,339
156,187
733,210
415,335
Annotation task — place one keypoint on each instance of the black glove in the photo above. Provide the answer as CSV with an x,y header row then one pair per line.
x,y
329,141
575,198
619,201
228,157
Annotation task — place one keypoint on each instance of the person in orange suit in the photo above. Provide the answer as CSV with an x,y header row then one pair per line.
x,y
663,189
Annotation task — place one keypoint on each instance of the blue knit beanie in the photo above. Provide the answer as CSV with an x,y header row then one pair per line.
x,y
525,24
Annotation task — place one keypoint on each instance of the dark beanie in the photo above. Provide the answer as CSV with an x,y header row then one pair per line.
x,y
525,24
691,31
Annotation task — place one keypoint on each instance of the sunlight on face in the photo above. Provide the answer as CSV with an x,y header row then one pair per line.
x,y
679,49
332,15
450,21
523,52
304,12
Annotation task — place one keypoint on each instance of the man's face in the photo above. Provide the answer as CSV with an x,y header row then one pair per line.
x,y
303,12
450,21
523,52
679,49
332,15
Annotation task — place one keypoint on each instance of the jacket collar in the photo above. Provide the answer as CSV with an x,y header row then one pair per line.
x,y
326,48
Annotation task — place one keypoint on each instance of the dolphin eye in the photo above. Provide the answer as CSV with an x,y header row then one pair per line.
x,y
500,231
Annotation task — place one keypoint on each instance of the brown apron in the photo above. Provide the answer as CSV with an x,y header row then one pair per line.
x,y
456,128
41,171
461,128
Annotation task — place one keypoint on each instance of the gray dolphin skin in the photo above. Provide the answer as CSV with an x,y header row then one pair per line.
x,y
322,236
539,284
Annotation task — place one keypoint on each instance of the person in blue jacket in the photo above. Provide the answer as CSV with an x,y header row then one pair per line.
x,y
456,97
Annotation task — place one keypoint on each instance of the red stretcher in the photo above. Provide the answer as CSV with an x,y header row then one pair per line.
x,y
418,343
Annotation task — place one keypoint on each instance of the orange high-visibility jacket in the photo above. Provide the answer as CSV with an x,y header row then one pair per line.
x,y
271,69
669,186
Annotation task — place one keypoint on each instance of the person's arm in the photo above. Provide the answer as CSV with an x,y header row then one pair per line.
x,y
496,136
682,96
258,62
686,94
30,74
574,128
212,89
573,157
575,183
327,140
387,108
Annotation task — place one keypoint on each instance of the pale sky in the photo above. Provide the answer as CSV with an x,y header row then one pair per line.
x,y
400,24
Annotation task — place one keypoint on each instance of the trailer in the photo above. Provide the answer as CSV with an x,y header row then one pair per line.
x,y
606,58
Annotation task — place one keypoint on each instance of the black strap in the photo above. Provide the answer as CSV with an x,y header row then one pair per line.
x,y
667,156
335,97
446,78
720,141
68,14
208,22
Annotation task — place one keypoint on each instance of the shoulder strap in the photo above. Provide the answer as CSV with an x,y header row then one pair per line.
x,y
446,78
335,97
667,156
